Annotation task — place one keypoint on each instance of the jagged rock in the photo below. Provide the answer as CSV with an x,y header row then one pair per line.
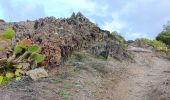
x,y
73,15
37,73
24,66
73,34
4,44
119,52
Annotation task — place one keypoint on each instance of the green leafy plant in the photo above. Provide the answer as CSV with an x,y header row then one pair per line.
x,y
9,33
16,59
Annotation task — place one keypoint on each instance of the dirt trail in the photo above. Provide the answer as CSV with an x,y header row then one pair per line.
x,y
147,79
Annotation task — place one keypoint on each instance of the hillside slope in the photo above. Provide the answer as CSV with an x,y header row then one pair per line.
x,y
59,38
94,64
86,77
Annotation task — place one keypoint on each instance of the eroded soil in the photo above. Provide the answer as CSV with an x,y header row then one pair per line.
x,y
148,78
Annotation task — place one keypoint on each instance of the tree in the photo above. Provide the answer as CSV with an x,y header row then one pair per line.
x,y
164,36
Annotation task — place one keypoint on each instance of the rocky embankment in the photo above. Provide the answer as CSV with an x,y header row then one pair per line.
x,y
86,77
59,38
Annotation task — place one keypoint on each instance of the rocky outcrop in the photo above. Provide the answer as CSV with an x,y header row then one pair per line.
x,y
1,20
59,38
138,43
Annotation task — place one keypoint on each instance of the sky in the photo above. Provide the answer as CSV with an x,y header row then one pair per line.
x,y
131,18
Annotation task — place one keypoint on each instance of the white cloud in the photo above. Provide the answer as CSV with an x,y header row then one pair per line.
x,y
136,17
1,14
57,8
135,35
115,25
63,8
131,16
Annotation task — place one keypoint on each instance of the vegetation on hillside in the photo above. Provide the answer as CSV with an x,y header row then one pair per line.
x,y
162,42
158,45
164,36
17,59
119,38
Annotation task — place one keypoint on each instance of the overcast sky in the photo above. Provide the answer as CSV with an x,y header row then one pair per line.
x,y
132,18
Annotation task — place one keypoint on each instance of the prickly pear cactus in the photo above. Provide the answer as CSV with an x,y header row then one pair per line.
x,y
16,60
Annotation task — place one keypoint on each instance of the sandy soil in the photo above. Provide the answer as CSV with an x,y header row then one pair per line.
x,y
148,78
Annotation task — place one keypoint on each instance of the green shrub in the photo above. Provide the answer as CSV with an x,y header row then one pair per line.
x,y
119,38
161,47
158,45
104,54
164,37
145,40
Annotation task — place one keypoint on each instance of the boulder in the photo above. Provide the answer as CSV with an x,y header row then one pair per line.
x,y
37,73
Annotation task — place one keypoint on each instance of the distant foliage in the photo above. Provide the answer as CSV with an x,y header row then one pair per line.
x,y
158,45
15,60
164,36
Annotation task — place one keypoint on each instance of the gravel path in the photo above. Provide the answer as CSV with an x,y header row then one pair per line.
x,y
148,78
